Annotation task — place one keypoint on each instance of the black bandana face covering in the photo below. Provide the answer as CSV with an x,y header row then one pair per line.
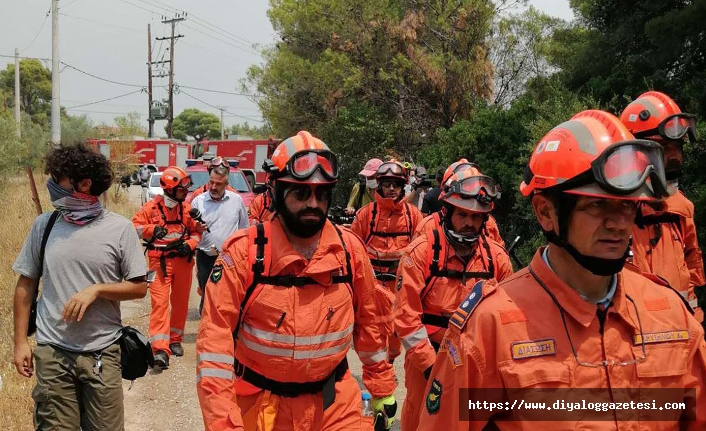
x,y
293,222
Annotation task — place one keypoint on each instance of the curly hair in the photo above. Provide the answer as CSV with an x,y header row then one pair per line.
x,y
79,162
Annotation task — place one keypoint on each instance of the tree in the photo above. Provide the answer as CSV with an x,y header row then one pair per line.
x,y
262,132
422,64
76,129
197,124
35,89
130,125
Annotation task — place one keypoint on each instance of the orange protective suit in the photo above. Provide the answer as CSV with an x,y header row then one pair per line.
x,y
295,329
428,297
664,243
203,189
519,335
387,227
172,284
258,211
432,221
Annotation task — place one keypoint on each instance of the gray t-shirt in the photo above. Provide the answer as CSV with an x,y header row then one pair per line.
x,y
106,250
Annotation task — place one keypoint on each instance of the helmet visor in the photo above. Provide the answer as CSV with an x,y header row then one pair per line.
x,y
305,163
185,182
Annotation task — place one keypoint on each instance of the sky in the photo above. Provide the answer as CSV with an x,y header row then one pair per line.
x,y
108,39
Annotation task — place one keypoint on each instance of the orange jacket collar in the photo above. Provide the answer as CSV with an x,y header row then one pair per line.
x,y
285,260
387,204
579,309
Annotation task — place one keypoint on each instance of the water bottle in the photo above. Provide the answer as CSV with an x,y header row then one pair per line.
x,y
367,406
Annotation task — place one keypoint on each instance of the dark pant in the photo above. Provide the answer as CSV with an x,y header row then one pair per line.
x,y
204,265
70,394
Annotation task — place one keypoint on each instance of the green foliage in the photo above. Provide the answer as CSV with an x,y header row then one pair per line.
x,y
262,132
197,124
130,125
35,89
76,129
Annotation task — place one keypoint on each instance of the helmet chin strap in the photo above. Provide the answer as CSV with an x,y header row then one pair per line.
x,y
456,238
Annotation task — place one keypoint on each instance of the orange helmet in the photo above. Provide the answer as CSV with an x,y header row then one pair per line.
x,y
457,167
392,170
656,115
594,154
304,159
468,189
174,177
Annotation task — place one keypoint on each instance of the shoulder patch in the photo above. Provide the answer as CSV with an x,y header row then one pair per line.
x,y
433,401
464,311
216,273
227,260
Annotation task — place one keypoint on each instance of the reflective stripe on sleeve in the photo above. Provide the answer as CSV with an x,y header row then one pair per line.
x,y
415,338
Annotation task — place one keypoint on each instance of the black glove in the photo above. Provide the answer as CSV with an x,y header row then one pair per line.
x,y
427,372
159,232
183,249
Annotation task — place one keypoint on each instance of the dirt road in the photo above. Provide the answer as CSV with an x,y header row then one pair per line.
x,y
167,400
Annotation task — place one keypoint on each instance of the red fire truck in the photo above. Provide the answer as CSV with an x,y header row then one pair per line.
x,y
250,153
158,152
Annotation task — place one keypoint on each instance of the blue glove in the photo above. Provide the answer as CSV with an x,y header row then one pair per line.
x,y
385,410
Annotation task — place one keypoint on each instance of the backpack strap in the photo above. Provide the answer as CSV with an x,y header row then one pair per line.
x,y
373,214
45,238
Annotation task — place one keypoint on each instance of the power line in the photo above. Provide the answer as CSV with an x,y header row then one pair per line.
x,y
65,6
221,40
105,100
259,120
213,91
225,31
102,79
140,7
40,30
104,112
102,23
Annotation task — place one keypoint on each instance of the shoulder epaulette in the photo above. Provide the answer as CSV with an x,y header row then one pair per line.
x,y
469,304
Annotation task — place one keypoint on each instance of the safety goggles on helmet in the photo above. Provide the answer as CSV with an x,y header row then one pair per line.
x,y
482,188
218,161
625,168
185,182
393,168
674,127
305,163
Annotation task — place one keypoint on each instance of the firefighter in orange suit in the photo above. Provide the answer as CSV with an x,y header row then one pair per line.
x,y
578,316
260,209
171,237
436,275
387,226
432,221
285,300
664,240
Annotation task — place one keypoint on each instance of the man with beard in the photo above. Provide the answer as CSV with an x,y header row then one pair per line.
x,y
664,240
284,301
223,212
578,323
171,237
387,226
433,221
438,271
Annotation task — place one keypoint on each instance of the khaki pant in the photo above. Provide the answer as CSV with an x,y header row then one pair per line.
x,y
69,393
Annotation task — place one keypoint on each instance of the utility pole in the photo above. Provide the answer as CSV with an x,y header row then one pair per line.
x,y
55,106
222,130
172,21
17,92
150,119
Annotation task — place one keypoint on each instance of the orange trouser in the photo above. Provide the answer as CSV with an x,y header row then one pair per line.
x,y
394,347
415,383
167,326
305,412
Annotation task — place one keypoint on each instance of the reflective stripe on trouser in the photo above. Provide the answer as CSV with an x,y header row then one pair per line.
x,y
415,383
305,412
171,292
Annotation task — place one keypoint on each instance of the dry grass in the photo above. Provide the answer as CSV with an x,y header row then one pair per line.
x,y
17,213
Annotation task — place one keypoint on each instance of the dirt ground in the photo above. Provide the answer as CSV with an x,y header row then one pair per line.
x,y
167,400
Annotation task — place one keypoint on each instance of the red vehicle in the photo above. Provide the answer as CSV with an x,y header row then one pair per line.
x,y
161,153
250,153
236,179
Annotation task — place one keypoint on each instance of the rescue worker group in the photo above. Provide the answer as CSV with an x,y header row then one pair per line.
x,y
613,301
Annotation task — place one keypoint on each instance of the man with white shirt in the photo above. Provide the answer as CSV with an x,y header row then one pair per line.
x,y
224,212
